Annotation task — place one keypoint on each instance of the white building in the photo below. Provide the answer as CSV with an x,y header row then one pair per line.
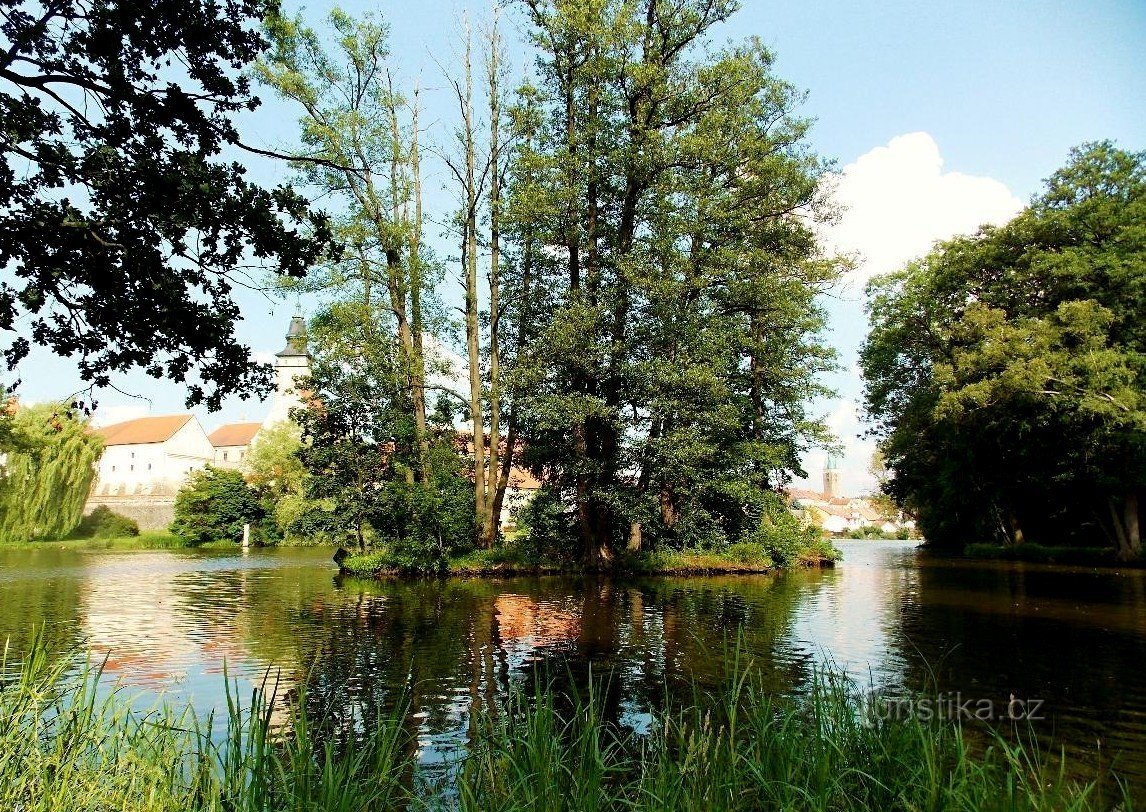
x,y
146,461
232,443
291,363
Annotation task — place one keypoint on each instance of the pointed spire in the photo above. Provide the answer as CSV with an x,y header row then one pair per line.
x,y
295,339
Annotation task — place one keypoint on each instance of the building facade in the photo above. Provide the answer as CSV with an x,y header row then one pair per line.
x,y
146,461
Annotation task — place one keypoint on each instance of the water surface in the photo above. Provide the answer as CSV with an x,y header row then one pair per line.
x,y
170,622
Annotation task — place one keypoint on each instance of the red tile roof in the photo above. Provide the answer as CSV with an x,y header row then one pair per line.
x,y
144,430
233,434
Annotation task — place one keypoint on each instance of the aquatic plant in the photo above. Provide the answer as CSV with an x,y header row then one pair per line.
x,y
67,743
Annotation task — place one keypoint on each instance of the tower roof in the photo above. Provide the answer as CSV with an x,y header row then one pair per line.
x,y
832,463
295,339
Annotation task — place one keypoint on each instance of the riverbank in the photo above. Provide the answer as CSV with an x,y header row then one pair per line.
x,y
740,559
144,541
1039,554
69,745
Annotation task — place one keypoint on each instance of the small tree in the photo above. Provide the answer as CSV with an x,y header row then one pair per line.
x,y
214,506
47,464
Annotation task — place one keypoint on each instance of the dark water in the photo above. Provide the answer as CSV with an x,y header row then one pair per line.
x,y
1074,639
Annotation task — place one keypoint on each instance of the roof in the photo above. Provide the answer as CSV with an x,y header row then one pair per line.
x,y
834,510
232,434
295,338
144,430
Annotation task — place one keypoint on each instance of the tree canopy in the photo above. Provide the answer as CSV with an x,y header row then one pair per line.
x,y
123,231
1006,371
660,213
47,464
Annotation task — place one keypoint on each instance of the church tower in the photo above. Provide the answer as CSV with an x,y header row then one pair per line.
x,y
831,477
291,363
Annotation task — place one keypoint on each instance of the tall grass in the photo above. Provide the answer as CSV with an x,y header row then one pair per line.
x,y
66,744
745,749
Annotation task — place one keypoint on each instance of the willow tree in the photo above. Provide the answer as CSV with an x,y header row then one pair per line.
x,y
668,214
47,466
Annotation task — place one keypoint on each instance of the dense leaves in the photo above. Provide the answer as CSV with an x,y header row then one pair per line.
x,y
1007,371
214,505
360,456
47,464
122,232
661,206
105,523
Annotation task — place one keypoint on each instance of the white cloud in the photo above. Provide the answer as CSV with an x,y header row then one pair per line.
x,y
899,201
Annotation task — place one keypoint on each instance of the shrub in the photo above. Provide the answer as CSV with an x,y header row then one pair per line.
x,y
104,523
214,505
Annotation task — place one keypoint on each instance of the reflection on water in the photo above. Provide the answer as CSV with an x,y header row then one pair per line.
x,y
169,621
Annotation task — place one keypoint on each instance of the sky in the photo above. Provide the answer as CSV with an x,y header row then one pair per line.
x,y
939,117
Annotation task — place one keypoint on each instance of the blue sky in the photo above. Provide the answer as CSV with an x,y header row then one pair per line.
x,y
939,116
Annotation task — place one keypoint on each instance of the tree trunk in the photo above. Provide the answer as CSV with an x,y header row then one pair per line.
x,y
1017,537
495,490
469,261
1132,547
634,545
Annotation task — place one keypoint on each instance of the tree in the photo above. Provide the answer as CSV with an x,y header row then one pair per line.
x,y
360,460
354,123
123,231
275,471
214,505
479,174
1006,372
47,464
662,204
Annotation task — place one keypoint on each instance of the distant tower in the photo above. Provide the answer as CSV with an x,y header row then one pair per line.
x,y
291,363
831,477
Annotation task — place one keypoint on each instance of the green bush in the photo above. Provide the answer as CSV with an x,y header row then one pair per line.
x,y
783,539
104,523
214,505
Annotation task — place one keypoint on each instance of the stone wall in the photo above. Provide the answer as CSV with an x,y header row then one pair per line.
x,y
151,512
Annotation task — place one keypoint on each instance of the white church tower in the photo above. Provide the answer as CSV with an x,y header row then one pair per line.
x,y
291,363
831,477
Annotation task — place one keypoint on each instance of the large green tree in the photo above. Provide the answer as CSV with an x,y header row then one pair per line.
x,y
661,210
369,482
47,463
1006,372
122,231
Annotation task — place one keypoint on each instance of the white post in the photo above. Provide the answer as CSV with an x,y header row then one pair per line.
x,y
246,535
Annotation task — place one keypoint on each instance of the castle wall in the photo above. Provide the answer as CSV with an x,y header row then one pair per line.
x,y
150,512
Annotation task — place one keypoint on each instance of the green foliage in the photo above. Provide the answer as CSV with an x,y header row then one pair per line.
x,y
72,746
367,479
545,528
275,471
118,156
782,537
214,505
667,350
1006,372
104,523
46,473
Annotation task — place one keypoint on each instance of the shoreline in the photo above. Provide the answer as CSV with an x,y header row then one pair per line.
x,y
683,569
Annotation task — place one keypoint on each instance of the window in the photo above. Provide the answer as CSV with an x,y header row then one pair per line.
x,y
224,456
131,467
149,466
113,469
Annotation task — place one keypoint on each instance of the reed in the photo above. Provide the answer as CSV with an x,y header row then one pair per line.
x,y
68,743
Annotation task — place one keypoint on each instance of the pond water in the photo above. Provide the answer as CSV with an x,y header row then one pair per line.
x,y
1072,639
